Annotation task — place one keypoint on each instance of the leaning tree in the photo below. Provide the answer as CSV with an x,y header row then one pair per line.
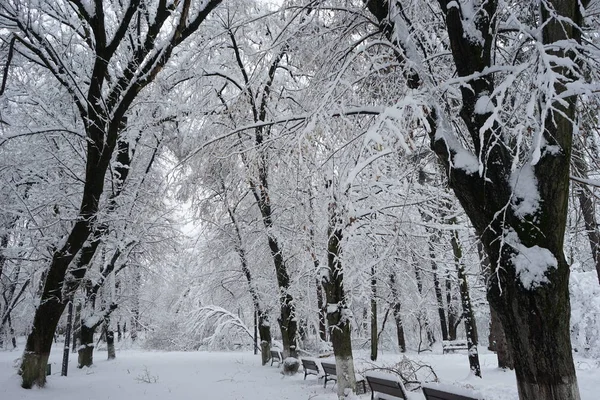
x,y
102,53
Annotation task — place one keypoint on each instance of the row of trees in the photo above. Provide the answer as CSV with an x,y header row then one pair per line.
x,y
299,135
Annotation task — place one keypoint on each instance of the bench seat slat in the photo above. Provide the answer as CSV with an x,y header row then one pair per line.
x,y
437,394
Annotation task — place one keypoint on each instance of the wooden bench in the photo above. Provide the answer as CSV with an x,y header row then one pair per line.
x,y
452,345
386,384
439,392
331,375
310,367
276,356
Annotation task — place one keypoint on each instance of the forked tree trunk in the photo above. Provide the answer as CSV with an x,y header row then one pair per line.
x,y
535,312
337,310
535,317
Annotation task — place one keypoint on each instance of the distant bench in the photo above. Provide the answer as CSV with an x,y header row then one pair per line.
x,y
386,384
276,356
331,375
439,392
310,367
452,345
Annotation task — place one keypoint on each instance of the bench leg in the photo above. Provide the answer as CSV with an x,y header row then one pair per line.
x,y
325,385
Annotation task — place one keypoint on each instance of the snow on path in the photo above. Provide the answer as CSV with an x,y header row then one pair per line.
x,y
180,376
239,376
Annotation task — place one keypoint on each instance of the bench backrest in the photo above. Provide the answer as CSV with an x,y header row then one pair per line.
x,y
310,364
329,368
454,343
436,394
386,386
275,354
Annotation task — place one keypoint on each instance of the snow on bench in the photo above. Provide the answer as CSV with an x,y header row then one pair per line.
x,y
385,384
436,391
452,345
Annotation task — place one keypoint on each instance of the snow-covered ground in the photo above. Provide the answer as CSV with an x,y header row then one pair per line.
x,y
138,374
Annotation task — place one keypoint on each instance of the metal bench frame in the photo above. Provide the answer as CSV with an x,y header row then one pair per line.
x,y
432,393
275,354
452,345
310,368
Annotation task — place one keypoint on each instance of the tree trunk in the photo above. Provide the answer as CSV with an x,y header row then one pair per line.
x,y
65,363
469,316
374,338
453,317
86,348
422,316
76,327
264,331
497,339
498,342
587,206
337,309
110,344
438,293
322,312
396,307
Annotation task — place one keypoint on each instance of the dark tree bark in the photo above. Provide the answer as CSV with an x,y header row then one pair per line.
x,y
374,337
535,317
76,327
337,311
438,292
468,314
86,348
497,339
65,362
322,310
396,308
110,344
